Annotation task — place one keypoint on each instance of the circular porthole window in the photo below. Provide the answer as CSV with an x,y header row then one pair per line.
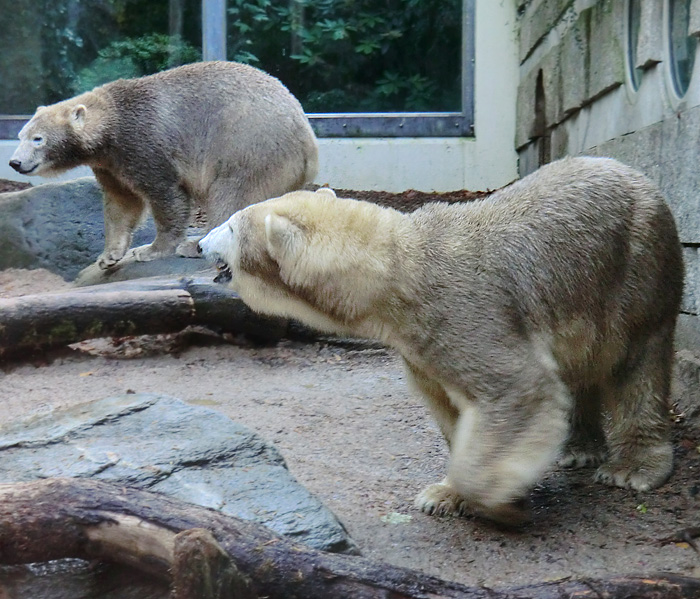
x,y
682,46
634,19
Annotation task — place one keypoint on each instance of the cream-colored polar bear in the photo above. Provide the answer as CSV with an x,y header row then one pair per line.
x,y
218,135
522,318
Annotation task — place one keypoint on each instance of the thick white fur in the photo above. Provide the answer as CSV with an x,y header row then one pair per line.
x,y
522,318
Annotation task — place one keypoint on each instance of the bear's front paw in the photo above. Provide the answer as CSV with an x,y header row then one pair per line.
x,y
440,500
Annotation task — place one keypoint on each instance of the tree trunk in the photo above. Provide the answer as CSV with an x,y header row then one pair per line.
x,y
207,555
39,322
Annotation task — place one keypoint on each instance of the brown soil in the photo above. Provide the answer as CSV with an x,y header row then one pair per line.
x,y
408,201
354,434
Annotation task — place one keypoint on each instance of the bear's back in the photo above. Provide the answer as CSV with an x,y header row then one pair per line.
x,y
207,86
213,118
581,236
569,208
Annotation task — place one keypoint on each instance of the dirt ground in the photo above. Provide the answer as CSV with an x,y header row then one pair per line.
x,y
353,434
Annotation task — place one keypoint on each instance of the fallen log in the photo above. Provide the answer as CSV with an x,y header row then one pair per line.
x,y
33,323
204,554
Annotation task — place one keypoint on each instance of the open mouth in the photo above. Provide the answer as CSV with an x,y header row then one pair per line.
x,y
224,271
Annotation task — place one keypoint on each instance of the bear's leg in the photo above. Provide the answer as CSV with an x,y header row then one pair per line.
x,y
171,213
641,454
586,443
225,196
438,499
441,499
436,399
502,444
228,195
123,212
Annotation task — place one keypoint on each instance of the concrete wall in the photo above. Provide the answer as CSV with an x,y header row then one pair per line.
x,y
576,52
484,162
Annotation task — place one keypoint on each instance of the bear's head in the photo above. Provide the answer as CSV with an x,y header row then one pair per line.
x,y
56,138
308,255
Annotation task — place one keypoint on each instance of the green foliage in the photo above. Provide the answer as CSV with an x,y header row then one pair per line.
x,y
350,56
103,70
134,57
53,49
334,55
152,53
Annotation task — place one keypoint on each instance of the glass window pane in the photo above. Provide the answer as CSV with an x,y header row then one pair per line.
x,y
55,49
355,55
682,45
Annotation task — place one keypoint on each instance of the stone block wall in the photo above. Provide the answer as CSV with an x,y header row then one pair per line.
x,y
577,95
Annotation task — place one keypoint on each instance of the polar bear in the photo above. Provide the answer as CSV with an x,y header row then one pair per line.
x,y
218,135
537,323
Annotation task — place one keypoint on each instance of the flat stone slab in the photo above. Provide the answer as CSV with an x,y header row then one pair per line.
x,y
128,269
165,445
57,226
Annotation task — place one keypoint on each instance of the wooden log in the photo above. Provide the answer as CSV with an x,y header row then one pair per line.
x,y
33,323
203,570
79,518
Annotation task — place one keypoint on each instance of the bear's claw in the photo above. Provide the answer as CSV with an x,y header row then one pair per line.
x,y
440,499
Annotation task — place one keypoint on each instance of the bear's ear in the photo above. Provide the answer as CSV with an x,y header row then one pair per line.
x,y
282,235
326,191
77,116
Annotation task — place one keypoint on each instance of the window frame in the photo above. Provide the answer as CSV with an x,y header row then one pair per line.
x,y
333,125
674,72
413,124
10,125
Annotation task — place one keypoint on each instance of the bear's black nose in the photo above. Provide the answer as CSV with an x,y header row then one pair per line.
x,y
199,249
16,164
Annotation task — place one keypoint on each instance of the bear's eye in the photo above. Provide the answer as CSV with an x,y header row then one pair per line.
x,y
37,140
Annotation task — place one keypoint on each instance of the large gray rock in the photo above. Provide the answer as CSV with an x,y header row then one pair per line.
x,y
57,226
60,227
189,452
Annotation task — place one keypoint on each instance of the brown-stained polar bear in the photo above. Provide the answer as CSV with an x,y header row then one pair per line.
x,y
523,318
220,135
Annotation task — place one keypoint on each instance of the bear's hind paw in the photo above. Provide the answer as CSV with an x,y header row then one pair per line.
x,y
646,471
146,253
580,458
109,260
188,249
